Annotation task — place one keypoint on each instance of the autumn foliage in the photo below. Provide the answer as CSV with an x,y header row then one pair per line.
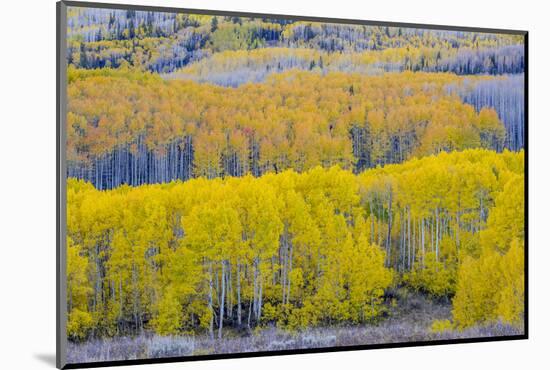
x,y
295,120
229,174
297,250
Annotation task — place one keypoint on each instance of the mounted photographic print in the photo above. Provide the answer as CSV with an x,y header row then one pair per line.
x,y
235,184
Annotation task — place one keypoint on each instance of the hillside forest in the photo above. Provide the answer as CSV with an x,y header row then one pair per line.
x,y
249,184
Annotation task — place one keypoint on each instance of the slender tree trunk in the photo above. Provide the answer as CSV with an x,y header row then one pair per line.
x,y
260,301
437,233
289,271
229,298
379,228
255,289
388,237
249,312
210,303
220,328
238,293
423,246
371,223
414,241
403,256
409,239
283,264
431,235
480,212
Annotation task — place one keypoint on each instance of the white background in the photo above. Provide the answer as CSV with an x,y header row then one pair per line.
x,y
27,183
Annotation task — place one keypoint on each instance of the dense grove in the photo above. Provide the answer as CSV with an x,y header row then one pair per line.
x,y
311,89
298,250
164,42
235,67
231,175
134,128
506,97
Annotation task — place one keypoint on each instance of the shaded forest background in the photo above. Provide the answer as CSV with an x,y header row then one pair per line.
x,y
229,174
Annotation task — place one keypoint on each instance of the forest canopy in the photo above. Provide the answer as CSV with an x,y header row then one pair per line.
x,y
297,249
227,176
121,121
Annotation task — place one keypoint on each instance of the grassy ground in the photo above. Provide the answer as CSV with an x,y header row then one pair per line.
x,y
409,320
